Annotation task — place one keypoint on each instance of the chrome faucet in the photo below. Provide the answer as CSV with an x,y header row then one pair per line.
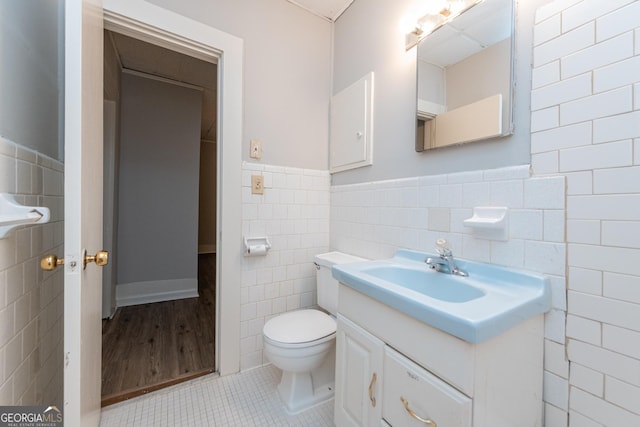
x,y
445,263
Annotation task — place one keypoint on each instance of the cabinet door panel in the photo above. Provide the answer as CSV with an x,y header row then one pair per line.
x,y
411,393
358,376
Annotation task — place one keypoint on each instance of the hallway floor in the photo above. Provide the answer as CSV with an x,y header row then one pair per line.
x,y
245,399
151,346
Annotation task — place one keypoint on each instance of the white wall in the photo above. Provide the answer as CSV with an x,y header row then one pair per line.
x,y
369,36
480,76
158,183
31,301
432,83
586,126
286,79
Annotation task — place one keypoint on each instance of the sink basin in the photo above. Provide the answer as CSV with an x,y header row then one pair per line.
x,y
476,308
423,281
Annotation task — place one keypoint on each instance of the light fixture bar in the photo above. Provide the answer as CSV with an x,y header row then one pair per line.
x,y
432,21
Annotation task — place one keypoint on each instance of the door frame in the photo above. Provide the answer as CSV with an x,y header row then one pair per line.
x,y
153,24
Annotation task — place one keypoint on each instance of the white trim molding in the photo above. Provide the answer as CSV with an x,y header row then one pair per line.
x,y
155,291
159,26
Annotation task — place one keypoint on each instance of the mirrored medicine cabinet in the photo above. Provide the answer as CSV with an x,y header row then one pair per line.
x,y
465,77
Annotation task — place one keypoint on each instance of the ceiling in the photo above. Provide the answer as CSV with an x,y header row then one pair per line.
x,y
483,25
327,9
148,58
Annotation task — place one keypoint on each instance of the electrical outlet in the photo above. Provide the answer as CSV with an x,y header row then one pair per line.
x,y
256,149
257,184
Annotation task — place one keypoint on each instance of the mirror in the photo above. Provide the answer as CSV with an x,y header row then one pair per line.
x,y
465,77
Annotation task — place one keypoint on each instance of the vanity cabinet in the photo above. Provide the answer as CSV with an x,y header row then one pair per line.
x,y
358,376
392,369
413,396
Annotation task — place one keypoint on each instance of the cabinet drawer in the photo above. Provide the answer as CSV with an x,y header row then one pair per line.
x,y
426,395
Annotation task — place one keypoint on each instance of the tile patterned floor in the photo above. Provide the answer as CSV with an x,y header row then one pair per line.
x,y
245,399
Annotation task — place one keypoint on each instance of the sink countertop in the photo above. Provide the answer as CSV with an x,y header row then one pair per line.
x,y
476,308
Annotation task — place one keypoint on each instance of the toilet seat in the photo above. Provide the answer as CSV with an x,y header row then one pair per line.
x,y
299,327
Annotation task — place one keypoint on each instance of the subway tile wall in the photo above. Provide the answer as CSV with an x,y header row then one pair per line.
x,y
31,301
375,219
294,213
586,127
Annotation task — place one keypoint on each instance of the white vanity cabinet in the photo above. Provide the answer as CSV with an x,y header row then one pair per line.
x,y
426,377
414,397
358,376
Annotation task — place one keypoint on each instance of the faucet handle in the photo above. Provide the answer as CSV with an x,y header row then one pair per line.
x,y
443,247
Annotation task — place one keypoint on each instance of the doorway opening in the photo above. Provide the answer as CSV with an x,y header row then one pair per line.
x,y
159,295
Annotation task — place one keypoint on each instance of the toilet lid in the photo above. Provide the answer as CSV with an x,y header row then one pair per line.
x,y
299,326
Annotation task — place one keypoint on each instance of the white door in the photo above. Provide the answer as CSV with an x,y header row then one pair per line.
x,y
83,211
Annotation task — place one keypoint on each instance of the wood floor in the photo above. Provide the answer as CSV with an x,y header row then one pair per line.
x,y
151,346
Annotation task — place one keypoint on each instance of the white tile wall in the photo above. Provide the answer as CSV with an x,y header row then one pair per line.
x,y
375,219
598,411
564,90
583,12
564,44
587,379
31,301
613,19
294,213
596,144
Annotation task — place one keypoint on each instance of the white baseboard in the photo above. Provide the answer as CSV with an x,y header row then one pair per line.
x,y
155,291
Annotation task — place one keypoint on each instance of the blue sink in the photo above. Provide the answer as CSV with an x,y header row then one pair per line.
x,y
422,280
476,308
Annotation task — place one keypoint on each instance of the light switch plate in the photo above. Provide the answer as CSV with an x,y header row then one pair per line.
x,y
256,149
257,184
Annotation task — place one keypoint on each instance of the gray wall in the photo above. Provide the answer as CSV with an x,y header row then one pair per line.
x,y
207,236
287,75
112,77
31,75
158,185
368,38
31,301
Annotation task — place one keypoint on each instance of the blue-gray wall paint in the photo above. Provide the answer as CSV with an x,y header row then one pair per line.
x,y
158,186
31,75
367,38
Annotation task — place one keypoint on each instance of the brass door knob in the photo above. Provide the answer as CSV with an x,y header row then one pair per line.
x,y
101,258
50,262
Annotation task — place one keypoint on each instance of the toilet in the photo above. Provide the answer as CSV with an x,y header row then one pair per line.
x,y
301,343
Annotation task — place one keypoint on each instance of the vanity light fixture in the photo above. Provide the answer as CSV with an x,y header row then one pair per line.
x,y
434,20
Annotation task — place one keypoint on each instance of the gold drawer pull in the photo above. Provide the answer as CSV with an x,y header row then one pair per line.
x,y
405,402
374,377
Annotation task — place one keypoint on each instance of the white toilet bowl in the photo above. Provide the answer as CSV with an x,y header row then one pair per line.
x,y
302,343
299,343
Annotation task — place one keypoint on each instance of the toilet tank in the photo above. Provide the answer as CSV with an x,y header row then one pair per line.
x,y
326,284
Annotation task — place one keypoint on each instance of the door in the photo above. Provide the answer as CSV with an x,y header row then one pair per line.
x,y
83,211
359,359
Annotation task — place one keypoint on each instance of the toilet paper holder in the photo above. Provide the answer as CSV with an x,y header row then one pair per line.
x,y
256,246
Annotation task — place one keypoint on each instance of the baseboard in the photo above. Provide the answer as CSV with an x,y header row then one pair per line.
x,y
207,249
155,291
